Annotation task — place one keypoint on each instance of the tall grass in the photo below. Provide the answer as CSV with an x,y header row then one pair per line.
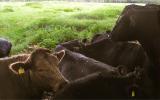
x,y
46,24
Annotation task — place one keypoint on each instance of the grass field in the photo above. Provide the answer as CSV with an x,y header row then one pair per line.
x,y
46,24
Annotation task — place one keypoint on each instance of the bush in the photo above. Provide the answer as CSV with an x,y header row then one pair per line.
x,y
7,9
34,5
48,43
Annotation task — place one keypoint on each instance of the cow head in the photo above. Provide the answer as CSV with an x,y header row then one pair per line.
x,y
73,45
42,66
5,47
125,27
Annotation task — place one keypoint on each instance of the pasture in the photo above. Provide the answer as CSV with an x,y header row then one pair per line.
x,y
47,23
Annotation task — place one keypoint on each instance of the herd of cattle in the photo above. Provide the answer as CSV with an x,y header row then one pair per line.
x,y
121,64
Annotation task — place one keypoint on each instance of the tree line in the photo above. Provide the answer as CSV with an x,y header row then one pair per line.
x,y
100,1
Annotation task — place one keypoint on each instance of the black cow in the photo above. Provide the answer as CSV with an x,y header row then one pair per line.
x,y
5,47
109,52
100,36
143,25
74,65
73,45
102,85
28,76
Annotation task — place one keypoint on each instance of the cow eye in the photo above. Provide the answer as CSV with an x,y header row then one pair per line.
x,y
40,70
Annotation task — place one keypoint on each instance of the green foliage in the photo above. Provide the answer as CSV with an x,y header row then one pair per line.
x,y
54,22
34,5
48,43
7,9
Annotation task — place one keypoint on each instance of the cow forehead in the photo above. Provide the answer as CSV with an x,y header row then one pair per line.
x,y
41,51
40,57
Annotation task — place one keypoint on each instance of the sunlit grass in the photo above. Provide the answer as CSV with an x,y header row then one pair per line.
x,y
46,24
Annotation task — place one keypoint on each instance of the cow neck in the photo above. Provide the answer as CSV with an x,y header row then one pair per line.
x,y
25,83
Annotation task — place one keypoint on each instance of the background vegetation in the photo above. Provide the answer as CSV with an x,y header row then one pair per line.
x,y
102,1
45,24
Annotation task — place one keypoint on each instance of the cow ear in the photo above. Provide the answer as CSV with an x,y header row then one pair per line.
x,y
132,21
18,68
60,55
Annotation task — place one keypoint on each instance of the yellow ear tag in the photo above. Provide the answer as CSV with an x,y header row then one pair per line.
x,y
21,70
133,93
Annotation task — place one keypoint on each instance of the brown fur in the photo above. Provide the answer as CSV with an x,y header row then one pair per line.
x,y
41,74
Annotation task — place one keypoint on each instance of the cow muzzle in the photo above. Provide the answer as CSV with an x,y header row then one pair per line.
x,y
60,86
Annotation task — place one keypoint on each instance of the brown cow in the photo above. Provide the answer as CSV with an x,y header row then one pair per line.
x,y
27,76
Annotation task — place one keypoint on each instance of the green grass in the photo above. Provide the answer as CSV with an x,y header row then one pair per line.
x,y
46,24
